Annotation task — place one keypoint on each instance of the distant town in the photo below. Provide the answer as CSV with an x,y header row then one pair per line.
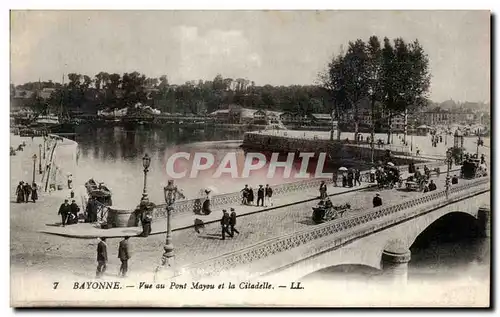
x,y
26,103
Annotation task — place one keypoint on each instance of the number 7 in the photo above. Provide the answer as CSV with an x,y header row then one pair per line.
x,y
56,284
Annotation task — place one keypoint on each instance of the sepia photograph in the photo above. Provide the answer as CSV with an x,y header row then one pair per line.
x,y
250,158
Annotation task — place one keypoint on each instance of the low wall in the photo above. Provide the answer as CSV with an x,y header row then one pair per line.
x,y
339,227
339,151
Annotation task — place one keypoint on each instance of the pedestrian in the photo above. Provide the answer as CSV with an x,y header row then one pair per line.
x,y
432,186
224,222
250,196
124,256
260,195
344,179
350,178
232,222
70,181
146,224
334,178
269,196
322,190
20,192
34,192
454,180
27,192
64,211
102,257
373,171
74,209
357,177
377,201
244,195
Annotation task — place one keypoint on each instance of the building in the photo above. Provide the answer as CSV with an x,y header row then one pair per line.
x,y
266,117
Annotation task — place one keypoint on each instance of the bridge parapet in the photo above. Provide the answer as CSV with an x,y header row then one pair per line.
x,y
343,228
192,205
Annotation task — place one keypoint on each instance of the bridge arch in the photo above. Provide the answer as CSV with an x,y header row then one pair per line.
x,y
360,271
450,226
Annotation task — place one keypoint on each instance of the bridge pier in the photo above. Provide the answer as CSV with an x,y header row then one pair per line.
x,y
395,259
484,219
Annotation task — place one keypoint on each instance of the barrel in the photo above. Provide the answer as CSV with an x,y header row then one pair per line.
x,y
121,217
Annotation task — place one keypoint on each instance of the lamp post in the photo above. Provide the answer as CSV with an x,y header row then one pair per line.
x,y
449,160
477,144
40,160
146,161
44,146
171,193
34,163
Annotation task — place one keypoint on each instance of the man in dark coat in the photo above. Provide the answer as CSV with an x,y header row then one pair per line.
x,y
232,222
454,180
27,192
260,196
357,177
224,222
350,178
250,196
102,257
64,211
377,201
432,185
124,256
74,209
244,193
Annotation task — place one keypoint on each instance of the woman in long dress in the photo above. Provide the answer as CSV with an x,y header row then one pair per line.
x,y
20,193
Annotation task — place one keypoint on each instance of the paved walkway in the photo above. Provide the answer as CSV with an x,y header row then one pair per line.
x,y
186,220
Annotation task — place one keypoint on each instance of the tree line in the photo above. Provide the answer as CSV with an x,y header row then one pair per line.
x,y
107,91
394,77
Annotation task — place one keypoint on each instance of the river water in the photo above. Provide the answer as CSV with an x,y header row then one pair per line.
x,y
114,155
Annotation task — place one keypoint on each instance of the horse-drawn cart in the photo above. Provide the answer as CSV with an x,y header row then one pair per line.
x,y
326,211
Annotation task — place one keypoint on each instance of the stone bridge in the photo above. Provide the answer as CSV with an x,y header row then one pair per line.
x,y
379,238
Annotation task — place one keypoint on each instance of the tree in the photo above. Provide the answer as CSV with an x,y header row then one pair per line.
x,y
406,78
375,74
356,64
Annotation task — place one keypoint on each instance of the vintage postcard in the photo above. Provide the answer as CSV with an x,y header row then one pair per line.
x,y
250,158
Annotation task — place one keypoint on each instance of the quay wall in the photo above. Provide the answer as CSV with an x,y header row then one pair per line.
x,y
337,151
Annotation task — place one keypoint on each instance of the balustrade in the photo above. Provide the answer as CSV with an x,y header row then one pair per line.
x,y
280,244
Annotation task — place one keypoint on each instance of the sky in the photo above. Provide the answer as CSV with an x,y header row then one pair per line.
x,y
268,47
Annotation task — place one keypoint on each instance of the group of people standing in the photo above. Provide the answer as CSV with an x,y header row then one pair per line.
x,y
25,190
68,212
264,196
102,256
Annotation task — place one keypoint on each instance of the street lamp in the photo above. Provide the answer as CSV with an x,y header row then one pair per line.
x,y
34,163
40,160
44,146
449,161
477,144
171,193
146,161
